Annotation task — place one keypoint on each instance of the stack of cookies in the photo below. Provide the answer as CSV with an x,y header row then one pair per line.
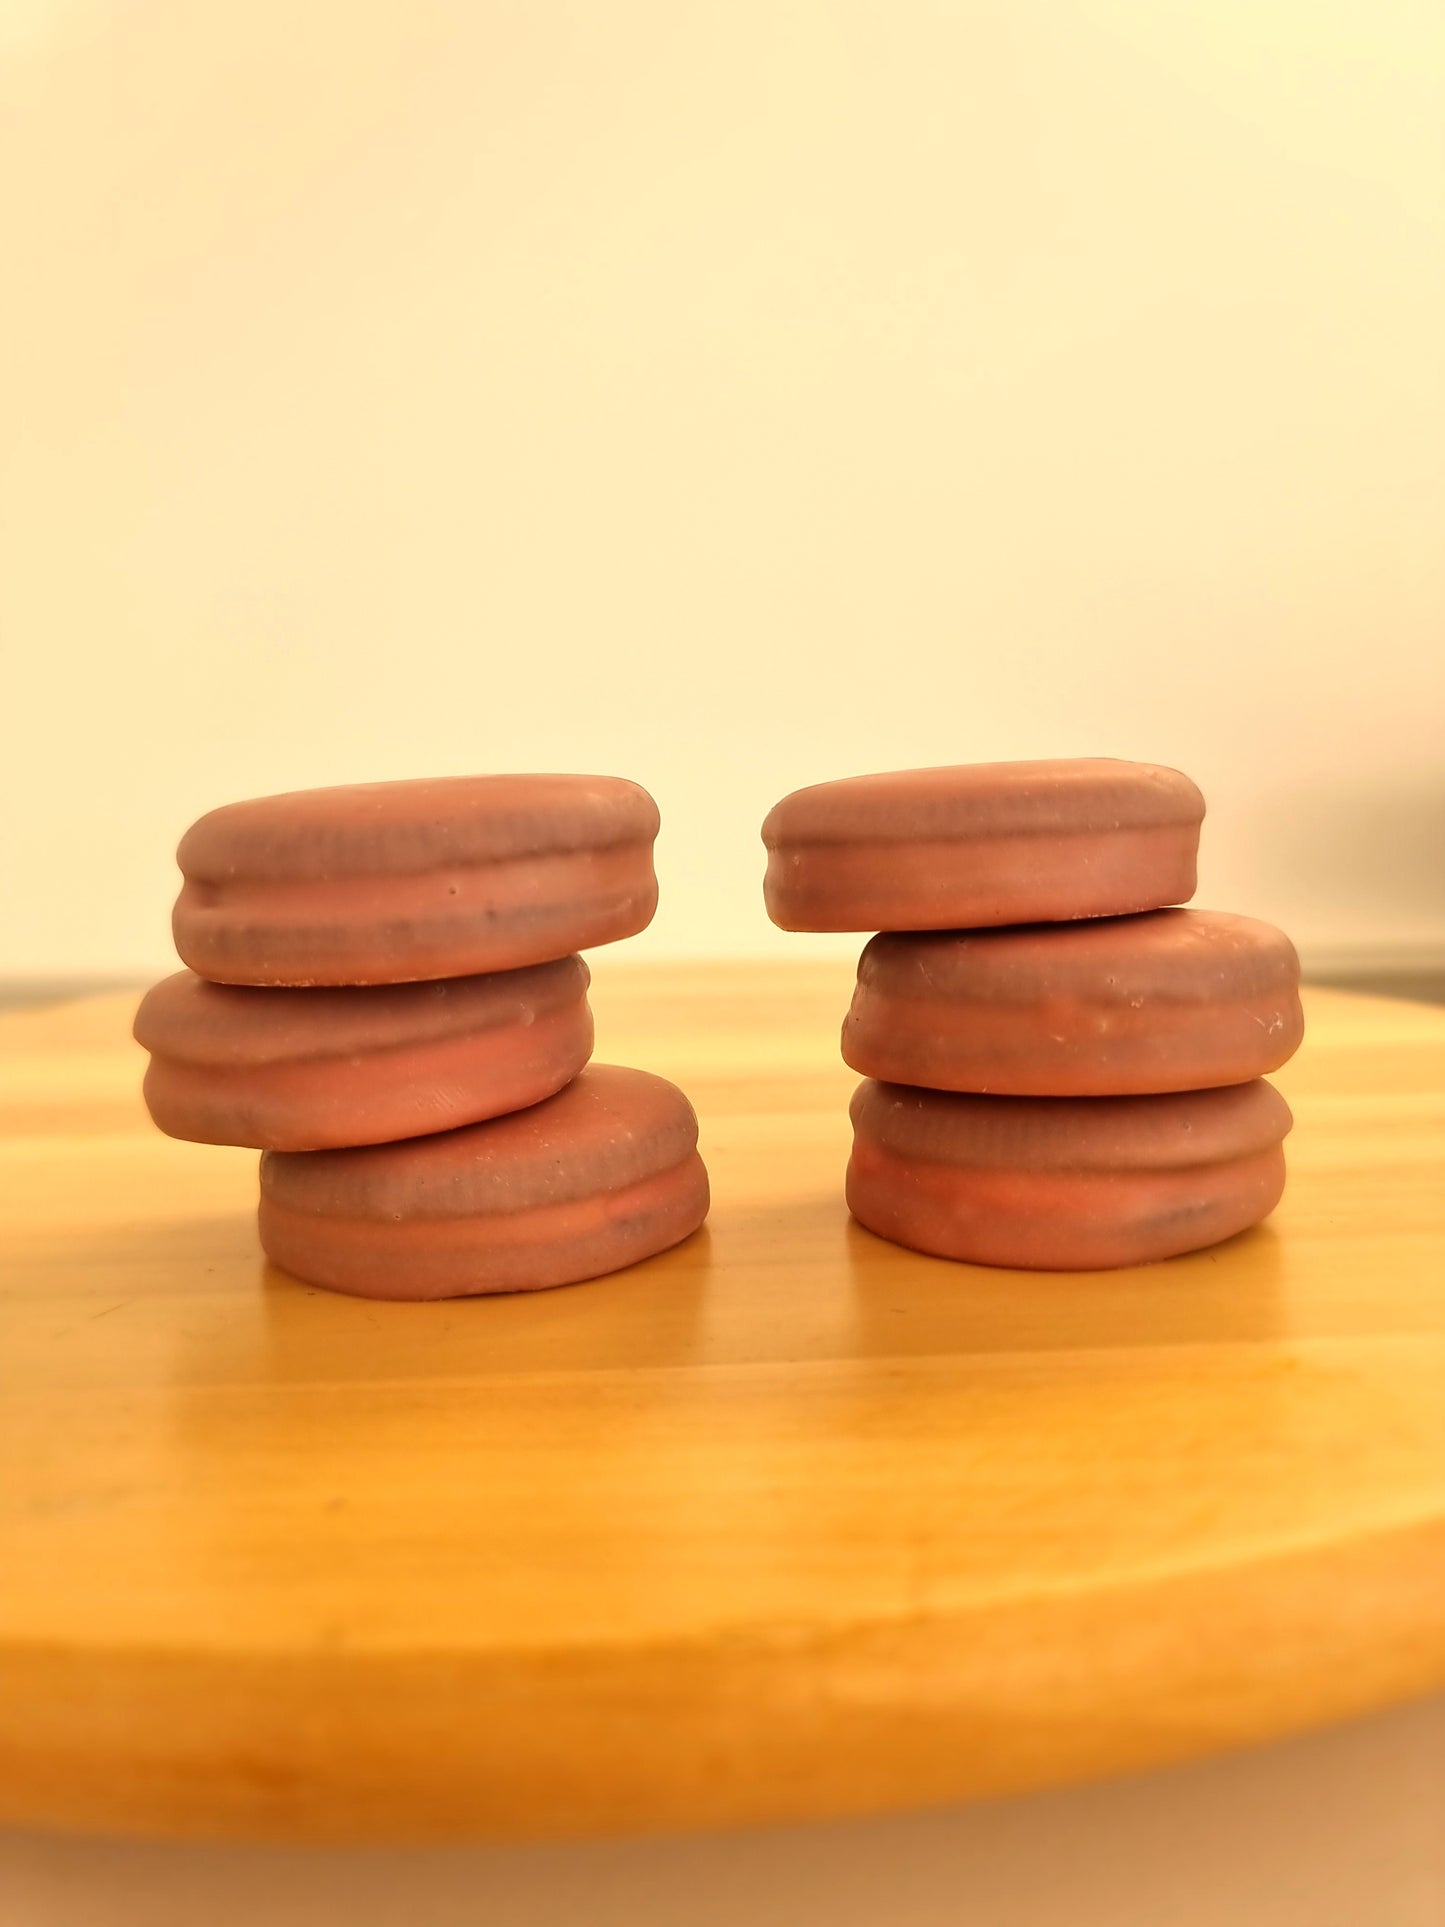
x,y
384,997
1063,1071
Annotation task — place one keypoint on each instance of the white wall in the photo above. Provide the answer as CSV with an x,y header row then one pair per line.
x,y
730,397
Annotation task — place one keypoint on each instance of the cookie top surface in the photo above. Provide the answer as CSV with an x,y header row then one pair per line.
x,y
1156,1133
370,829
234,1025
610,1128
1063,797
1183,955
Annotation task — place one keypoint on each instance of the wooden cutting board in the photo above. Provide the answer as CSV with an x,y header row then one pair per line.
x,y
787,1523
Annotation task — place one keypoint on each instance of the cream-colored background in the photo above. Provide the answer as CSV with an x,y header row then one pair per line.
x,y
730,396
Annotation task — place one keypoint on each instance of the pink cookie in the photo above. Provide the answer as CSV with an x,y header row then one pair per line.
x,y
389,883
1065,1183
980,844
1175,1000
304,1070
601,1175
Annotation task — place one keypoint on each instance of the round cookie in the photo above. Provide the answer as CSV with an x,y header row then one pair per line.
x,y
1065,1183
982,844
601,1175
385,883
1173,1000
306,1070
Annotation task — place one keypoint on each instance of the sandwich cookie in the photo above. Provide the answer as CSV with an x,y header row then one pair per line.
x,y
601,1175
1065,1183
306,1070
387,883
1174,1000
982,844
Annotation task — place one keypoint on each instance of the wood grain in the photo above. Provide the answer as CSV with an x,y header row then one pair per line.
x,y
786,1523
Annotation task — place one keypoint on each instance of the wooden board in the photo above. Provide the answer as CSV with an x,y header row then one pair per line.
x,y
787,1523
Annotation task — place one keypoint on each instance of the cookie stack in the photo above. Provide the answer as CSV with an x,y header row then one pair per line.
x,y
384,997
1063,1071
